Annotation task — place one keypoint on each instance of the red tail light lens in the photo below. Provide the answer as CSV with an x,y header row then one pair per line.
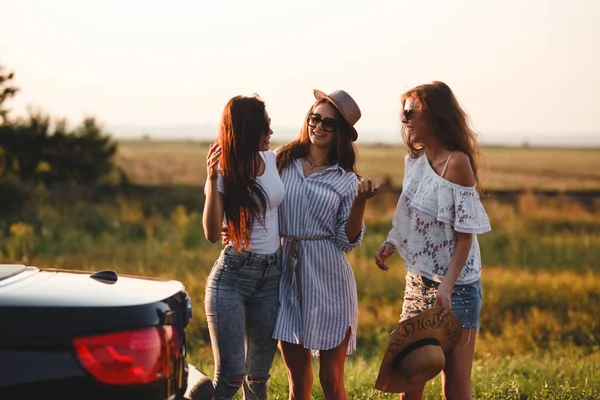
x,y
131,357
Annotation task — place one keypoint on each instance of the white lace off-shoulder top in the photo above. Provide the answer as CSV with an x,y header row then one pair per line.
x,y
430,211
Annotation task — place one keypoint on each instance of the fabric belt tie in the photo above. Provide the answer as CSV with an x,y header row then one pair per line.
x,y
294,243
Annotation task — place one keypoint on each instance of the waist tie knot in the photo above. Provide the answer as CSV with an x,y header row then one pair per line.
x,y
294,243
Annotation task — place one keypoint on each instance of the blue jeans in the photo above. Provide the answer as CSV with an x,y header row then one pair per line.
x,y
420,293
242,298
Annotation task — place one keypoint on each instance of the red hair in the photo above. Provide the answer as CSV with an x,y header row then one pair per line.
x,y
243,125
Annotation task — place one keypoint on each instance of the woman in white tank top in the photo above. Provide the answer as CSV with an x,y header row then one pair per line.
x,y
243,191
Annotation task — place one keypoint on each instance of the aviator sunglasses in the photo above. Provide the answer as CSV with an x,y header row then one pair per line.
x,y
328,124
409,114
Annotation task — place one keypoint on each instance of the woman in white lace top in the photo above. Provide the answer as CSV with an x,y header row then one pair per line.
x,y
437,219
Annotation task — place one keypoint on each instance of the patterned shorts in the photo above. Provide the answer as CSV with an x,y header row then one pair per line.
x,y
420,292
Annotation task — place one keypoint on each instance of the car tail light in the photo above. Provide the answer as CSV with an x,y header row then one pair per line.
x,y
130,357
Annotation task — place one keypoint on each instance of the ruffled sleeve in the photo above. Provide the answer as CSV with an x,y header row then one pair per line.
x,y
461,207
340,238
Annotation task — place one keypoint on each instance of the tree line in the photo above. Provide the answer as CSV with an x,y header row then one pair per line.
x,y
43,150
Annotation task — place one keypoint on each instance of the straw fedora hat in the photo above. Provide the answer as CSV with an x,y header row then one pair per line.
x,y
345,104
417,351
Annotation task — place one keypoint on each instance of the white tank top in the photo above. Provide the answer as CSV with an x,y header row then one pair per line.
x,y
265,239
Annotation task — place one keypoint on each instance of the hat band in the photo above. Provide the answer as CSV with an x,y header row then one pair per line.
x,y
412,347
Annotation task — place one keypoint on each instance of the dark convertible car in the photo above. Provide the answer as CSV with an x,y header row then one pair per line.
x,y
81,335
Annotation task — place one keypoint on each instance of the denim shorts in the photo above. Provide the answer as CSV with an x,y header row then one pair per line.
x,y
420,292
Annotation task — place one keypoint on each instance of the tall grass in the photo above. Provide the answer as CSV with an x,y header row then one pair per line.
x,y
156,162
540,333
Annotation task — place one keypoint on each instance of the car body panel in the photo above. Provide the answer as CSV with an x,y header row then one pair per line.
x,y
43,310
58,288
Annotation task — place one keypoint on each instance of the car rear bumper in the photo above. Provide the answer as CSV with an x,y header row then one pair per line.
x,y
83,388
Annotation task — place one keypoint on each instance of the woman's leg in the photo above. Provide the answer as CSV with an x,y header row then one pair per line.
x,y
331,373
225,314
419,295
456,377
261,315
413,395
298,362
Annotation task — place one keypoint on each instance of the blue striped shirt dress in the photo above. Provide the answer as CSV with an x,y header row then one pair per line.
x,y
317,296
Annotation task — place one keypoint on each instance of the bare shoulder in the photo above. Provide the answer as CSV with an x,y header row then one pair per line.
x,y
278,150
460,170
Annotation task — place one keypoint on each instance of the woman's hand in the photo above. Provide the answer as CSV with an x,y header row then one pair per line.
x,y
212,217
224,235
212,161
366,190
355,219
385,251
442,299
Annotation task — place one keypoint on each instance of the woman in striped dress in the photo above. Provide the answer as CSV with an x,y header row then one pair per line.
x,y
320,218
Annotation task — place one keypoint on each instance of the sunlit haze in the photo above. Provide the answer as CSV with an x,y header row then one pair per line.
x,y
523,70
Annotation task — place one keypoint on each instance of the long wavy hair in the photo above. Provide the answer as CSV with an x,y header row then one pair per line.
x,y
343,152
448,121
243,125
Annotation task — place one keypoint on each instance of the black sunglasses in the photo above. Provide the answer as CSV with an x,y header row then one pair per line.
x,y
328,124
407,115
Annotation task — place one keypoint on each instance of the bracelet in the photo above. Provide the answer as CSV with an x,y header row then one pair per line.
x,y
390,243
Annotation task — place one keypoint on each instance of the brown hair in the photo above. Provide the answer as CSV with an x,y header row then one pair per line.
x,y
343,152
243,124
448,121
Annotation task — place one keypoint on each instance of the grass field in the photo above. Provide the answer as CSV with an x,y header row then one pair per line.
x,y
540,334
151,162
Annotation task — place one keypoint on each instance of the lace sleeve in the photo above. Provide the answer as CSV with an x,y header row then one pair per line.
x,y
461,207
398,235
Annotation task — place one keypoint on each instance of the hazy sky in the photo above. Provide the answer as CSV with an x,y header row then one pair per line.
x,y
527,68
